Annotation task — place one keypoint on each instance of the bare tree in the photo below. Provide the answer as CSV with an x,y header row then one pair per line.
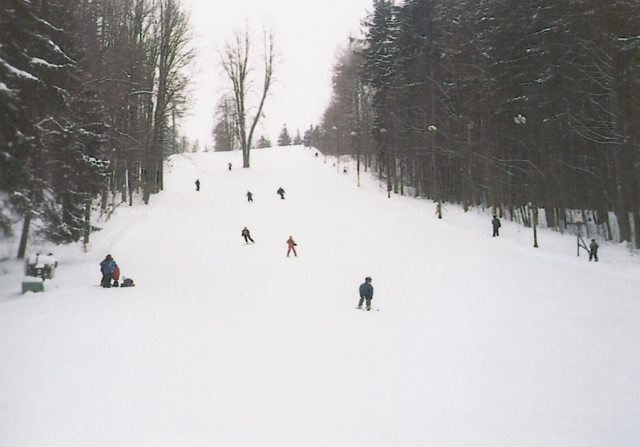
x,y
173,56
235,60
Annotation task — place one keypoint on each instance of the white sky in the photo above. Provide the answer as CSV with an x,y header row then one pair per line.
x,y
307,35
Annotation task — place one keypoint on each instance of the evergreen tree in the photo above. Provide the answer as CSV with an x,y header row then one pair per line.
x,y
297,140
263,142
284,139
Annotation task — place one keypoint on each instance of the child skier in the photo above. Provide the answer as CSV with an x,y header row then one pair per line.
x,y
116,277
246,235
292,246
366,293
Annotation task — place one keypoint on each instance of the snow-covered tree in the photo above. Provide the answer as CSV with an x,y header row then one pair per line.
x,y
284,139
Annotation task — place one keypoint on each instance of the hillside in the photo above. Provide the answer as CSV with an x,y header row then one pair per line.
x,y
478,341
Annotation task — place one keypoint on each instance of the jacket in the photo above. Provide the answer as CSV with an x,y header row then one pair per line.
x,y
108,266
366,290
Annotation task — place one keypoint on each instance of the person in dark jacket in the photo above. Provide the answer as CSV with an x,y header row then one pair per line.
x,y
197,184
495,223
593,250
249,196
246,235
107,267
281,192
366,293
229,166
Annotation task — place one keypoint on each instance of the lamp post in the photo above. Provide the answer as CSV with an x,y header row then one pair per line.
x,y
354,135
431,129
335,128
383,133
521,120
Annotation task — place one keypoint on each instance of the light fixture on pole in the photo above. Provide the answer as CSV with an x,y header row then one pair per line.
x,y
521,119
354,135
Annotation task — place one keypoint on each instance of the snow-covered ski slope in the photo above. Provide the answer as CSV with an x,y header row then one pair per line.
x,y
479,341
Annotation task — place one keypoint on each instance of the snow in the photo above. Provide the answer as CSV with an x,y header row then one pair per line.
x,y
42,62
17,72
40,261
479,341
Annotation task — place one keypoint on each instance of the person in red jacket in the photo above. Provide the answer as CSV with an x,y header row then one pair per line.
x,y
292,246
116,277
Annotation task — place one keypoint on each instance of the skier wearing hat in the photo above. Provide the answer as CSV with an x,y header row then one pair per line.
x,y
107,267
366,293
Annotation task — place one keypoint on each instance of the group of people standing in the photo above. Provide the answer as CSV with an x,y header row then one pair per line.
x,y
111,274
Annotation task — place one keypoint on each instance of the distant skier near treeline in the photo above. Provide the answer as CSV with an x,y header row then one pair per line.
x,y
495,223
246,235
229,166
281,192
292,247
249,196
593,250
197,184
366,293
107,267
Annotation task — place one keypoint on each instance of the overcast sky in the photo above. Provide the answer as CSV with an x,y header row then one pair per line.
x,y
307,35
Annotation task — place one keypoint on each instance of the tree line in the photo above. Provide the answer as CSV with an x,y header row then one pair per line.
x,y
527,108
90,91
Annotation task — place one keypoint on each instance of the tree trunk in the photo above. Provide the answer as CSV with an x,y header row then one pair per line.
x,y
26,224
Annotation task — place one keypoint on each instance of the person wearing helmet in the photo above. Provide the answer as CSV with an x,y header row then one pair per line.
x,y
366,293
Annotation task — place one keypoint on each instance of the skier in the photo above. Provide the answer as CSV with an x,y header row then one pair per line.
x,y
281,192
229,166
107,267
116,277
246,235
593,250
366,293
292,246
197,184
495,222
249,196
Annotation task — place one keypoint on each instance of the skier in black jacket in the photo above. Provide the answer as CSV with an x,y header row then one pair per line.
x,y
246,235
495,223
366,293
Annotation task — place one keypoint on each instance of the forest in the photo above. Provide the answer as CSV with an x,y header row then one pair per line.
x,y
90,92
529,108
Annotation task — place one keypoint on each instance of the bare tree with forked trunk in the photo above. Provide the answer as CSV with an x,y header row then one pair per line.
x,y
236,62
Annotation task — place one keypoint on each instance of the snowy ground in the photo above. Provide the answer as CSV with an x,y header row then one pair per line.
x,y
478,341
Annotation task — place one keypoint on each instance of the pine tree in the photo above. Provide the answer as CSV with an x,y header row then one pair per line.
x,y
297,140
284,139
263,142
